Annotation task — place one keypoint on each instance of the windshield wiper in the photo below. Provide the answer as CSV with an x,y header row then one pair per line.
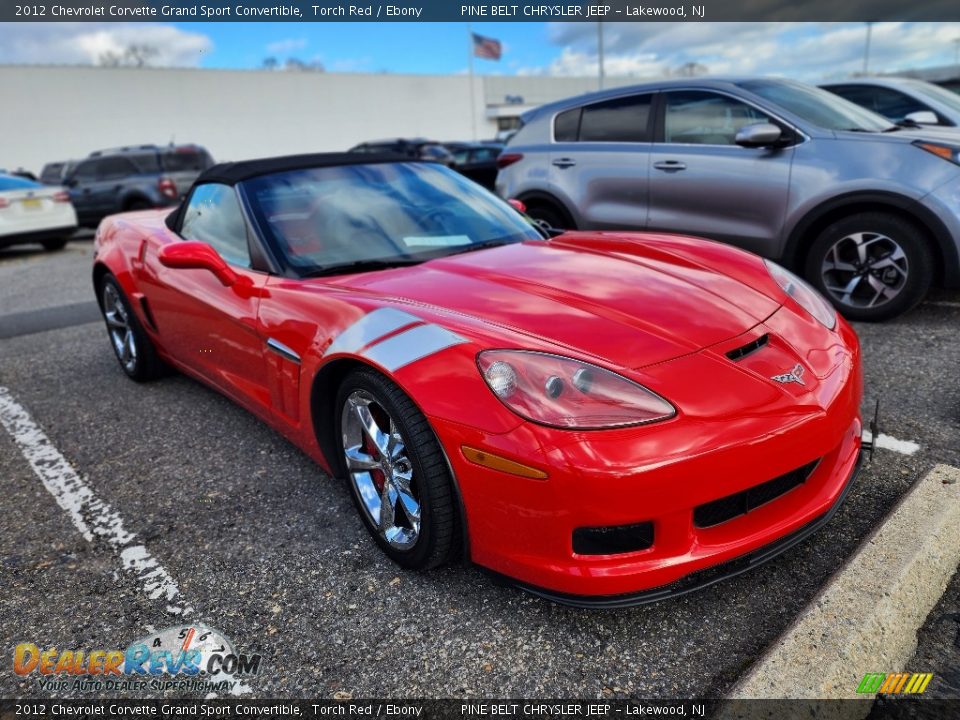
x,y
361,266
479,246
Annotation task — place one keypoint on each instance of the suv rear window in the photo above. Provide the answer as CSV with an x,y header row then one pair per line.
x,y
180,161
623,119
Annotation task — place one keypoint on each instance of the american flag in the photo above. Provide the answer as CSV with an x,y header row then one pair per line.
x,y
484,47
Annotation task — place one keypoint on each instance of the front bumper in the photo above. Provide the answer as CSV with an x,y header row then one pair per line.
x,y
732,434
702,578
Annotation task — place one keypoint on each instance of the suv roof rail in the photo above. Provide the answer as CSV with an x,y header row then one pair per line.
x,y
123,149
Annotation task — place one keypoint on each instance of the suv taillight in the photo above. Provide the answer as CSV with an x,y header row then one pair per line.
x,y
4,203
167,188
505,159
61,196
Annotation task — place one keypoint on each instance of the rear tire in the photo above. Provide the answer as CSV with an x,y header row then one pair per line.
x,y
872,266
397,465
134,350
55,244
550,215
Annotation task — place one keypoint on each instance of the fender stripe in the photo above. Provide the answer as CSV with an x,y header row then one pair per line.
x,y
407,347
369,328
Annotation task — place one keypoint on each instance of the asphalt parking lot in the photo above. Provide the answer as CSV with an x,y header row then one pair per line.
x,y
265,548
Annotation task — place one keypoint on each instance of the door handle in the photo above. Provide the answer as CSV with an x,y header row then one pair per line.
x,y
564,162
670,165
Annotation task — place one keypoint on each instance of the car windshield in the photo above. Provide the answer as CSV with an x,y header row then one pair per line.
x,y
12,182
935,92
367,216
818,107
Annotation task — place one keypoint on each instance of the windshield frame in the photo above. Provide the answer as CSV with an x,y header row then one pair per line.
x,y
854,117
282,260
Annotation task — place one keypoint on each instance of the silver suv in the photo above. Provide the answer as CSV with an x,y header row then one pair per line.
x,y
869,212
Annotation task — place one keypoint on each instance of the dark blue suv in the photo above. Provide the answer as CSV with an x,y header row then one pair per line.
x,y
132,178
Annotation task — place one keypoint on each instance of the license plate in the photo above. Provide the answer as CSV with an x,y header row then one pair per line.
x,y
32,203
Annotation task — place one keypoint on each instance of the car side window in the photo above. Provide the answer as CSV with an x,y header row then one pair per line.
x,y
86,171
213,216
115,168
566,125
619,120
697,117
896,105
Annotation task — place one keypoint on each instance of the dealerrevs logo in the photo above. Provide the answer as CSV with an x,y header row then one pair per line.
x,y
193,657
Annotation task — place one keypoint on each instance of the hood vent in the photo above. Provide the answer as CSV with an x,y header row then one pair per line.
x,y
751,347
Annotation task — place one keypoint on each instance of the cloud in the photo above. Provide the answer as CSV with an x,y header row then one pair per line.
x,y
288,45
809,51
86,43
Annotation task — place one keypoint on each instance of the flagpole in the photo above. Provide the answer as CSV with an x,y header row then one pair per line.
x,y
600,72
473,99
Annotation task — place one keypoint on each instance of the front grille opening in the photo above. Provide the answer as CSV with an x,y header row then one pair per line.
x,y
751,347
731,506
613,540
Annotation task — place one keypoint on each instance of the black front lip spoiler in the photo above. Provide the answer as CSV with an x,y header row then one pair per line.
x,y
701,578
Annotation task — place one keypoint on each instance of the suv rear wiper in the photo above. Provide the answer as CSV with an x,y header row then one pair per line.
x,y
362,266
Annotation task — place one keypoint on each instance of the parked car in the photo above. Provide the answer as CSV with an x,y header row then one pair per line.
x,y
902,100
418,148
34,213
20,173
133,178
639,408
864,209
56,172
477,160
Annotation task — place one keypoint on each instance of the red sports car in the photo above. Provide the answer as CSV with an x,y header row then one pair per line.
x,y
604,418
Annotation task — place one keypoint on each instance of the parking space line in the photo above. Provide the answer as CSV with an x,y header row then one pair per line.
x,y
93,517
887,442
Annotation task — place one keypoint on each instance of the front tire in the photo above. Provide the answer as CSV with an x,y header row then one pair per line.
x,y
550,216
871,266
396,470
135,352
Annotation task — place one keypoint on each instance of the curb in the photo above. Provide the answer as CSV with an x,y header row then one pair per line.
x,y
867,616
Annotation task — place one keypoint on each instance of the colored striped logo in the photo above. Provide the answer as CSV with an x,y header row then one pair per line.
x,y
903,683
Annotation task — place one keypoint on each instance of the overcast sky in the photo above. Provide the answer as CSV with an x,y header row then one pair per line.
x,y
809,51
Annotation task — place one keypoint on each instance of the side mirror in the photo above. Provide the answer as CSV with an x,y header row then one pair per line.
x,y
923,117
758,135
193,255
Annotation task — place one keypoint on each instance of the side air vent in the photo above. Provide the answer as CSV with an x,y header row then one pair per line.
x,y
751,347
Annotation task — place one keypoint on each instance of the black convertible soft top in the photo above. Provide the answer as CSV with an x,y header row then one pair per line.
x,y
231,173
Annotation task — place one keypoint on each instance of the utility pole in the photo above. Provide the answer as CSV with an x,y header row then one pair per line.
x,y
600,55
866,50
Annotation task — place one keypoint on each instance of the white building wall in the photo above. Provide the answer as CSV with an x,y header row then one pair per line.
x,y
58,113
61,113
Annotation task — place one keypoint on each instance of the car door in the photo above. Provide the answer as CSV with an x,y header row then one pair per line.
x,y
83,185
599,161
204,324
703,183
112,174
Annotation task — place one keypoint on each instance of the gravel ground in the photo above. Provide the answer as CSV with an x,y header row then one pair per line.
x,y
270,551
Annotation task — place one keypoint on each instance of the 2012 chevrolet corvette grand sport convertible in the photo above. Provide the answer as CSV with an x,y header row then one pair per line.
x,y
604,418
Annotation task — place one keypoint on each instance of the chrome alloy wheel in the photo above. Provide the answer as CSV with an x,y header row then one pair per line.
x,y
380,469
864,269
118,325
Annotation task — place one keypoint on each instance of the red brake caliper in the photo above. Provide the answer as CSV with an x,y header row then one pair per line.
x,y
371,449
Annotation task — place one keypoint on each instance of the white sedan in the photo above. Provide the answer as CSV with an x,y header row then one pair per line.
x,y
34,213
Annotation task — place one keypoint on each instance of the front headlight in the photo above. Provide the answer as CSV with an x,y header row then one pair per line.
x,y
806,297
566,393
